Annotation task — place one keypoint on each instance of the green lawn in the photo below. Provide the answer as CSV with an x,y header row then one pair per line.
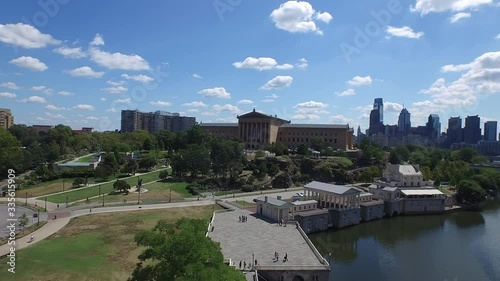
x,y
87,158
157,192
83,193
178,187
95,247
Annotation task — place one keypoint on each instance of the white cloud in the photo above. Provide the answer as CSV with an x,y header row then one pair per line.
x,y
245,102
339,119
41,119
38,88
260,64
98,40
311,104
324,17
118,60
34,99
195,104
458,16
30,63
87,107
65,93
272,96
92,118
278,82
405,31
25,36
217,92
298,16
392,107
267,100
498,36
455,68
55,116
85,71
435,6
115,83
139,78
103,99
305,117
71,53
10,85
193,110
348,92
161,103
7,95
302,64
53,107
197,76
116,90
127,100
360,81
227,107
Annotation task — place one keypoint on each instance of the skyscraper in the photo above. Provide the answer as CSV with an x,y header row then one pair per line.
x,y
490,131
454,132
375,124
434,126
378,105
472,129
404,122
6,118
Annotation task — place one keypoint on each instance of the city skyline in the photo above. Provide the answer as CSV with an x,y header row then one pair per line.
x,y
303,61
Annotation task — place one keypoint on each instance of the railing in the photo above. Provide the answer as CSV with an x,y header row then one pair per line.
x,y
313,248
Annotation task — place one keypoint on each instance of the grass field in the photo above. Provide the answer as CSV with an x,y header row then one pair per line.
x,y
45,188
96,247
157,190
86,159
83,193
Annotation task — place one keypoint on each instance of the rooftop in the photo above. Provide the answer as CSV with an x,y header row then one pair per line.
x,y
239,240
218,124
421,191
331,188
317,126
408,170
271,200
299,203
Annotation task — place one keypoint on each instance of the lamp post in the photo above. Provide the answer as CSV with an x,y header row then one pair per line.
x,y
38,217
170,196
45,204
139,196
26,204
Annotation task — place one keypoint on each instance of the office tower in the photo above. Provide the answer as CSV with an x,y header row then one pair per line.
x,y
454,132
375,124
404,123
6,118
434,126
472,129
155,121
490,131
378,104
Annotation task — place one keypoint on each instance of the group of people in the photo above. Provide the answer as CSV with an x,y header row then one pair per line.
x,y
277,257
282,222
245,265
242,219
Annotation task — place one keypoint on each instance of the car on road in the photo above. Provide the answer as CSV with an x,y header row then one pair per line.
x,y
297,196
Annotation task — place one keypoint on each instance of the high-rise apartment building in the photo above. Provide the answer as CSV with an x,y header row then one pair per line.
x,y
378,104
490,131
434,126
6,118
472,129
155,121
404,122
454,132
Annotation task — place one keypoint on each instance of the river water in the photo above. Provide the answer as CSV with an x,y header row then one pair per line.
x,y
459,246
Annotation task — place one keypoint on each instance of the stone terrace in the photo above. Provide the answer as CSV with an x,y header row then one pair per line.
x,y
239,240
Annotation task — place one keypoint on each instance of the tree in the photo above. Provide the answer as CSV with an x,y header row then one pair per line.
x,y
164,174
103,172
23,221
11,155
469,192
465,154
110,161
121,186
302,150
148,162
130,167
394,158
181,252
78,181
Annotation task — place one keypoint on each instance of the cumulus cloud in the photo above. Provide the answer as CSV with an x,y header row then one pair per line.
x,y
267,100
161,103
86,71
7,95
348,92
458,16
405,32
115,83
10,85
55,116
86,107
127,100
392,107
339,119
53,107
116,89
71,53
30,63
245,102
98,40
311,104
298,16
278,82
139,78
360,81
262,63
227,108
435,6
217,92
65,93
197,76
25,36
302,64
34,99
305,117
118,60
92,118
195,104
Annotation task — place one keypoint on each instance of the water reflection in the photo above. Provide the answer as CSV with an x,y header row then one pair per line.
x,y
467,219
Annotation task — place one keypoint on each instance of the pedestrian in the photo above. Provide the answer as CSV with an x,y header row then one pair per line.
x,y
239,219
90,210
32,237
244,264
240,264
255,263
57,206
286,257
55,217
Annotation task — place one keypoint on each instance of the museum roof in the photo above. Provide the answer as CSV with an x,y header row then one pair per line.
x,y
331,188
218,124
316,126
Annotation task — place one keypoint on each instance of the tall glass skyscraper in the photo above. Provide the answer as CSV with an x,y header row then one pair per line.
x,y
404,122
490,131
378,105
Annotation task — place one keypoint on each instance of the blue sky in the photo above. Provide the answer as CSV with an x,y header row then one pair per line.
x,y
80,63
